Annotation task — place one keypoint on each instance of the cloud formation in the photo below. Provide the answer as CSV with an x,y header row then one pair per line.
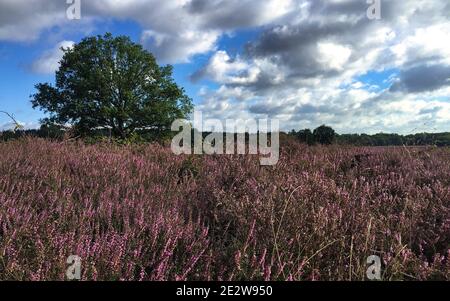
x,y
174,30
311,63
48,62
305,71
423,78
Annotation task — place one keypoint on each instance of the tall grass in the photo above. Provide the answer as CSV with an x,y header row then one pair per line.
x,y
142,213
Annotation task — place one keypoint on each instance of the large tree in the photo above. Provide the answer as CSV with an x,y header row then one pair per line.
x,y
306,136
111,82
324,135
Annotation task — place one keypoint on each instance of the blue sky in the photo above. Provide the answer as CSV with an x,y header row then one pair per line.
x,y
303,62
17,79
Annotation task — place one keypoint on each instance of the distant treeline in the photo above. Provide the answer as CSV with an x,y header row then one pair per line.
x,y
97,135
381,139
57,133
41,133
306,136
437,139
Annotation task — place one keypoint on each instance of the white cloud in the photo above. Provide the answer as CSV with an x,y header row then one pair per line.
x,y
307,68
179,48
175,30
301,69
226,70
425,42
333,56
48,63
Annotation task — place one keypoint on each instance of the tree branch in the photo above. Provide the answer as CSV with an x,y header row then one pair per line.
x,y
18,126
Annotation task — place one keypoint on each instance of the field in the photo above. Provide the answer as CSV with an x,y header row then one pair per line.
x,y
142,213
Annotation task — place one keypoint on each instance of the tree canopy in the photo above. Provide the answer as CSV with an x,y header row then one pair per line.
x,y
324,134
307,136
111,82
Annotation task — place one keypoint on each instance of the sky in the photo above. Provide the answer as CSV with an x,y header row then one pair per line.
x,y
303,62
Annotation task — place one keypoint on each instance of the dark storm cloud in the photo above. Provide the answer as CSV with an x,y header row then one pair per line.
x,y
296,46
266,109
227,14
422,78
23,20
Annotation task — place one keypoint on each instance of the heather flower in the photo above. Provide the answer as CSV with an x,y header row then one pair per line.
x,y
128,215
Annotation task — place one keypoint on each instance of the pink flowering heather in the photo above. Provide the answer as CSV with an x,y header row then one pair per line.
x,y
142,213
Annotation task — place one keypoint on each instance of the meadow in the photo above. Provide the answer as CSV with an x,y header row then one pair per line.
x,y
141,213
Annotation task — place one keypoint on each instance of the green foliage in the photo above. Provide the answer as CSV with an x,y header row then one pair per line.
x,y
324,135
110,82
305,136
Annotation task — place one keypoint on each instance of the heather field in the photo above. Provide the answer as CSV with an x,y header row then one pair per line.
x,y
141,213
